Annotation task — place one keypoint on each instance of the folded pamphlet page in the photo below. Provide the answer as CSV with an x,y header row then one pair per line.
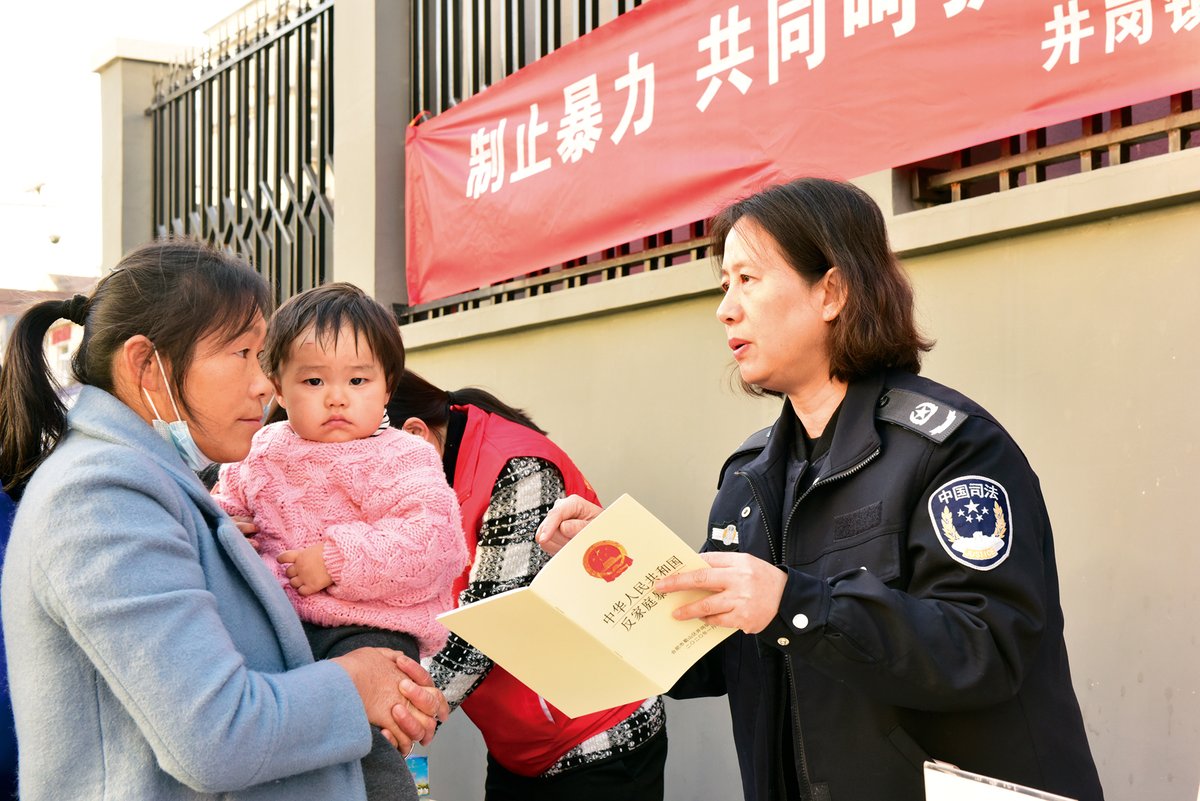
x,y
590,633
945,782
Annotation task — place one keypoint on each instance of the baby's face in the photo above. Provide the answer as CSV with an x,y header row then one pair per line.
x,y
332,391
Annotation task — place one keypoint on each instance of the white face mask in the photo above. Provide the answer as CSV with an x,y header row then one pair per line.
x,y
176,433
266,415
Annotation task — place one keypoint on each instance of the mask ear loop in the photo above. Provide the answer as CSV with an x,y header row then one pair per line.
x,y
167,384
153,408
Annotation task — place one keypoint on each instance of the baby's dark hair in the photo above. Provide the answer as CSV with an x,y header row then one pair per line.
x,y
326,310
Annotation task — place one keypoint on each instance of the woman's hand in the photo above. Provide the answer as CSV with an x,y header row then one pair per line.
x,y
397,694
746,591
306,569
425,706
567,517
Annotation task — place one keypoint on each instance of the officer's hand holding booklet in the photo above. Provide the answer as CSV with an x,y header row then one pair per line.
x,y
590,632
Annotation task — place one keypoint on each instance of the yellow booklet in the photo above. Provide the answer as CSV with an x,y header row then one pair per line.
x,y
590,633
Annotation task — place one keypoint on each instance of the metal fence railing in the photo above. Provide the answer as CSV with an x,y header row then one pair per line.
x,y
461,47
243,145
1132,133
656,252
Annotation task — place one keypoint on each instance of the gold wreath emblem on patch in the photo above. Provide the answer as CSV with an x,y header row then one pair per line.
x,y
977,546
952,533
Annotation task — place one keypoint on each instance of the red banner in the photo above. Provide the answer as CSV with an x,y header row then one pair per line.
x,y
670,111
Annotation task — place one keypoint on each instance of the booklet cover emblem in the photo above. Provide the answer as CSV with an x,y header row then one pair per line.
x,y
606,560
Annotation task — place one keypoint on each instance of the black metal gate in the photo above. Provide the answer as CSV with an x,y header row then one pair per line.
x,y
243,146
461,47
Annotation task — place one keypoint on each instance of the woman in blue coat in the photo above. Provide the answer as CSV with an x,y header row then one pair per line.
x,y
151,653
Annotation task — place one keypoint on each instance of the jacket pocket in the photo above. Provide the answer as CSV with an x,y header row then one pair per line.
x,y
878,552
854,523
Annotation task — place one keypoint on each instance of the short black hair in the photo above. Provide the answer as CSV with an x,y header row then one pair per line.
x,y
327,309
818,224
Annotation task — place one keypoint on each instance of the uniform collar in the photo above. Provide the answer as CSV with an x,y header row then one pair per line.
x,y
854,440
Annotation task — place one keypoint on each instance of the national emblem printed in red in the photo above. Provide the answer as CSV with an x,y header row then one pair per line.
x,y
606,560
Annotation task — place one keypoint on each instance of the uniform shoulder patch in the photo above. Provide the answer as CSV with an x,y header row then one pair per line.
x,y
922,414
972,520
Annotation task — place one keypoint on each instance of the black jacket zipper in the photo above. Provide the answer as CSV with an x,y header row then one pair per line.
x,y
797,731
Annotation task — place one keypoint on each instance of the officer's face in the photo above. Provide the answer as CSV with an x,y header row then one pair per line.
x,y
776,323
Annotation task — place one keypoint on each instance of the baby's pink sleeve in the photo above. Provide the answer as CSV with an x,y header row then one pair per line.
x,y
410,546
229,491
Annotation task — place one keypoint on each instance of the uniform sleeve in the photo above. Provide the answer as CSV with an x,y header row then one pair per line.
x,y
966,627
410,546
119,572
704,679
506,557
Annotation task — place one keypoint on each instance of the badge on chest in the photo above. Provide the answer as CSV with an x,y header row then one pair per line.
x,y
725,536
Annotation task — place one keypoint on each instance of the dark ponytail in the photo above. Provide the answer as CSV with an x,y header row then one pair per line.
x,y
416,397
32,415
175,292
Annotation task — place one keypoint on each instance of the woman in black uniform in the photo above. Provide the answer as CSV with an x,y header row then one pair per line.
x,y
884,547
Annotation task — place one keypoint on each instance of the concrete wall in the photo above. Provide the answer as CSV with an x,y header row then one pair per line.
x,y
1067,309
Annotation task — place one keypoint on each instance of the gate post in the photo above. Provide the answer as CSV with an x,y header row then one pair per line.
x,y
371,111
127,147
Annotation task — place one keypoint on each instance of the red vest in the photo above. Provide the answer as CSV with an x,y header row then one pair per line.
x,y
522,731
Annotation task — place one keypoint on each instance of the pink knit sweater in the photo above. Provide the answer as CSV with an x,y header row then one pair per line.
x,y
390,524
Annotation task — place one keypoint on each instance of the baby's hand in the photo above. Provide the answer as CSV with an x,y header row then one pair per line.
x,y
306,569
247,527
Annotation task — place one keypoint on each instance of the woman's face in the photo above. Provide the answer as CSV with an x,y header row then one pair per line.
x,y
775,322
226,389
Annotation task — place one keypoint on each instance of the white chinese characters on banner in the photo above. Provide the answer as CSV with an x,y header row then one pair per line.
x,y
1185,14
1066,31
727,35
638,76
864,13
527,160
1126,23
794,28
486,173
1125,19
579,129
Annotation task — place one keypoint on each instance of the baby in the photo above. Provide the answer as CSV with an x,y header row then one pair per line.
x,y
354,517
